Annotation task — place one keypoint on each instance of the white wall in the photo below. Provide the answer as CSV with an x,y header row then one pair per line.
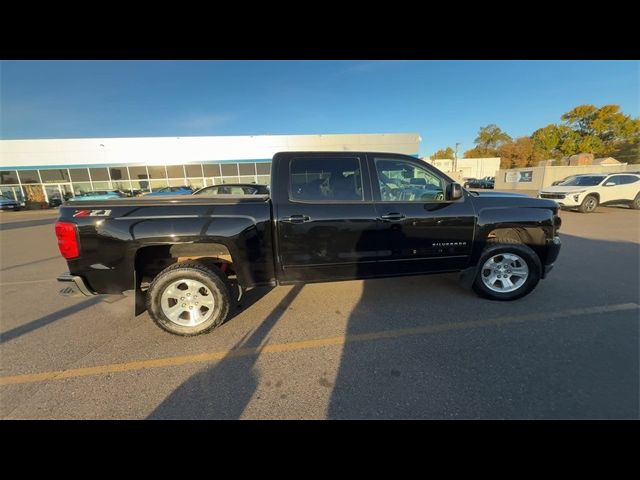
x,y
469,167
180,150
545,176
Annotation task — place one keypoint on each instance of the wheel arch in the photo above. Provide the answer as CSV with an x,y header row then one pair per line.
x,y
151,259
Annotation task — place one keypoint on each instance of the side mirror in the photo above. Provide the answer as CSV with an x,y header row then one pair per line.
x,y
454,191
609,184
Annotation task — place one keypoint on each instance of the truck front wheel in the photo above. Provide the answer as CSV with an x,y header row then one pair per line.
x,y
189,298
507,270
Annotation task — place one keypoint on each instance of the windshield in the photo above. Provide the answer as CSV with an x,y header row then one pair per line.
x,y
589,181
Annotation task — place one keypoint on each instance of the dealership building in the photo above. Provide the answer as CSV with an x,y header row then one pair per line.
x,y
39,170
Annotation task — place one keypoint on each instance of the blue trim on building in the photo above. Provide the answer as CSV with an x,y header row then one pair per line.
x,y
116,165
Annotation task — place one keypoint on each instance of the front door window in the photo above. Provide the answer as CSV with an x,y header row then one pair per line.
x,y
402,181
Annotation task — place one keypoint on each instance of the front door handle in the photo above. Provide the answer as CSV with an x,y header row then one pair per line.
x,y
392,216
295,219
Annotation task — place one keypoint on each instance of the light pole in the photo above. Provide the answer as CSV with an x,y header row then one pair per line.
x,y
455,159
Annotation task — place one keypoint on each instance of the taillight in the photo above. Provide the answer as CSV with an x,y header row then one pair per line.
x,y
67,240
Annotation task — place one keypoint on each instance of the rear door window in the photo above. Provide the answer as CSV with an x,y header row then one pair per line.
x,y
326,179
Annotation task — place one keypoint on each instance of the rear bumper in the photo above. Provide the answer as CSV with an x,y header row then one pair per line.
x,y
74,286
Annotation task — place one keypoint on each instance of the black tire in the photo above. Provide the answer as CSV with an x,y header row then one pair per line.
x,y
205,273
589,204
509,245
635,204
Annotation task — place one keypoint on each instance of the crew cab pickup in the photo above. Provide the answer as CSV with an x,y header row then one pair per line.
x,y
329,216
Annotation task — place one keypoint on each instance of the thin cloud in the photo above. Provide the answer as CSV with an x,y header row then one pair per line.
x,y
204,121
369,66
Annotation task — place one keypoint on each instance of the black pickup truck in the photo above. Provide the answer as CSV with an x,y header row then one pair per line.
x,y
330,216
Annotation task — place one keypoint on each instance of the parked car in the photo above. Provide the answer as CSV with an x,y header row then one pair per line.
x,y
184,190
330,216
491,181
570,177
7,203
586,192
100,195
234,189
486,182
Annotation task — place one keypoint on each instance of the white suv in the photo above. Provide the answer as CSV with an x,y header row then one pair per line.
x,y
586,192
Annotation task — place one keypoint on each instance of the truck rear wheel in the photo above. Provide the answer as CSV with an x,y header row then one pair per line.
x,y
189,298
507,270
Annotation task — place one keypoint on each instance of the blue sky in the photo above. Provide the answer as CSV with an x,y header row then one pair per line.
x,y
444,101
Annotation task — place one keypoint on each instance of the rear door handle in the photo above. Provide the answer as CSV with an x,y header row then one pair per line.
x,y
295,219
392,216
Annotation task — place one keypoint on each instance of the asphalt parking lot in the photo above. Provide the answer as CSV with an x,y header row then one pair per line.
x,y
416,347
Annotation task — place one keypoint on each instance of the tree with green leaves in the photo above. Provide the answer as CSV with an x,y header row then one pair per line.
x,y
549,138
477,152
521,152
491,137
602,131
446,153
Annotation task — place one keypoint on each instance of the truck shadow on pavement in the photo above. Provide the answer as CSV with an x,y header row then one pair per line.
x,y
581,368
26,264
232,379
26,223
48,319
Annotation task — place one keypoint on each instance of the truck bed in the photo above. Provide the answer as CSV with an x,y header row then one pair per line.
x,y
168,200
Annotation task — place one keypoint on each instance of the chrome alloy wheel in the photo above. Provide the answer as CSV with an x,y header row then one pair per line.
x,y
504,273
590,204
187,302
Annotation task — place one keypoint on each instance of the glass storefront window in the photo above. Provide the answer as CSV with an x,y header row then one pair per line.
x,y
175,171
230,180
177,182
99,175
195,183
8,177
157,172
263,168
54,176
247,168
211,170
248,179
81,187
194,170
138,173
79,174
101,185
14,193
141,186
229,169
264,179
29,176
156,184
125,186
119,173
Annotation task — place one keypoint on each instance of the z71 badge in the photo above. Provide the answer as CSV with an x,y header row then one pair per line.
x,y
92,213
